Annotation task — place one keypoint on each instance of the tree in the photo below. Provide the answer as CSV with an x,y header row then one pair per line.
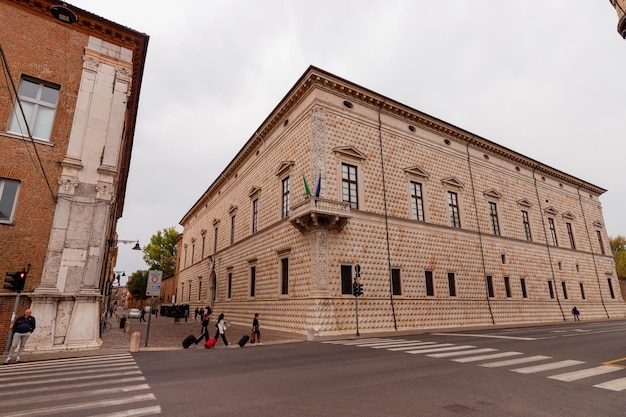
x,y
618,248
136,284
160,253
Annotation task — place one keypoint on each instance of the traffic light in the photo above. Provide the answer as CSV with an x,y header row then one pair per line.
x,y
21,281
357,288
16,281
12,281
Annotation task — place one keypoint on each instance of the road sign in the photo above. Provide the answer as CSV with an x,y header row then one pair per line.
x,y
153,286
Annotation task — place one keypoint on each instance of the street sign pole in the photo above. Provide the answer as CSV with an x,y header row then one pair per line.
x,y
149,319
153,287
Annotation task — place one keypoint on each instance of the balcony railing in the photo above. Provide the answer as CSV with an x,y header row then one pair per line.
x,y
319,213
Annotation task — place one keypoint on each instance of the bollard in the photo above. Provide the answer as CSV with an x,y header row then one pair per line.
x,y
134,342
126,326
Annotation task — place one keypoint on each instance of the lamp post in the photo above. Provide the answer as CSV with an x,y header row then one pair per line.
x,y
110,264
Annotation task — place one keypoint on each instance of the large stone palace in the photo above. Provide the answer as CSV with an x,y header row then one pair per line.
x,y
447,228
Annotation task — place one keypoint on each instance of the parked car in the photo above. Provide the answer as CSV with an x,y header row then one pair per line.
x,y
134,313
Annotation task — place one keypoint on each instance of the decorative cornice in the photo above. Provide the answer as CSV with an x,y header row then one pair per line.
x,y
453,182
492,193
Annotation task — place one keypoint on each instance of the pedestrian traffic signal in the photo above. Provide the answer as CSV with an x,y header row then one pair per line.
x,y
21,281
357,288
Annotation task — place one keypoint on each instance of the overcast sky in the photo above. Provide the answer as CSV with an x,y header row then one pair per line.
x,y
543,78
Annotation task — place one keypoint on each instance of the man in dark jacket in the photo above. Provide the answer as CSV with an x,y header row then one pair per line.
x,y
23,327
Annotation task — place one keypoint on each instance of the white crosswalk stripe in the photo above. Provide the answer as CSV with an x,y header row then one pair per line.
x,y
517,361
586,373
486,357
547,367
106,385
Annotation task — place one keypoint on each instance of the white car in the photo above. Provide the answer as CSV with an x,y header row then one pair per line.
x,y
134,313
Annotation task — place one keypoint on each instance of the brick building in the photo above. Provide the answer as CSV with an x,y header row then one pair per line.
x,y
64,162
448,228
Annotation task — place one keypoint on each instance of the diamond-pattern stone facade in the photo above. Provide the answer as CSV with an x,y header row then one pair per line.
x,y
326,122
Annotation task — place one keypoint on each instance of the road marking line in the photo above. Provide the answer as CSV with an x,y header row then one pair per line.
x,y
614,385
485,336
417,345
75,378
61,372
585,373
547,367
615,361
56,368
442,349
80,406
515,361
81,385
385,343
137,412
355,342
465,352
75,395
397,345
485,357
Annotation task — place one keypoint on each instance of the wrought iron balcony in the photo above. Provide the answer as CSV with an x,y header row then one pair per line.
x,y
319,213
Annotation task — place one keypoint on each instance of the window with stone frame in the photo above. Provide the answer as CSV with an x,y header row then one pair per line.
x,y
284,276
417,201
452,284
507,287
285,199
555,241
346,279
493,215
230,284
429,282
600,242
570,234
8,199
252,280
490,291
526,222
522,283
255,215
349,185
453,209
233,222
395,281
38,100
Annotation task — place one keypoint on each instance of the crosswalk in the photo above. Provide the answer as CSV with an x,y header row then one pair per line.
x,y
494,358
99,386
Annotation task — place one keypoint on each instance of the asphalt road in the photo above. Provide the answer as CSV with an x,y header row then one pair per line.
x,y
342,379
573,370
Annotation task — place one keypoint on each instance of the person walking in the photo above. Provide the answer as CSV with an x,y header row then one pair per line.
x,y
256,333
221,328
195,314
186,313
576,314
143,315
23,327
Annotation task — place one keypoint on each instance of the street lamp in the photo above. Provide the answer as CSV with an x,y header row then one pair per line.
x,y
126,242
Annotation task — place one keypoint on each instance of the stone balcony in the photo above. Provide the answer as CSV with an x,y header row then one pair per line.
x,y
319,213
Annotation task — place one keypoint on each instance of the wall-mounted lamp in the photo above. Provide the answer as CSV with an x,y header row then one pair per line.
x,y
126,242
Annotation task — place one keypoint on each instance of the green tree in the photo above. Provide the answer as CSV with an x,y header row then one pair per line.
x,y
618,248
136,284
160,253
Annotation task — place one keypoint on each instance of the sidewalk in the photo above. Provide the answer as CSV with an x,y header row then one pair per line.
x,y
165,334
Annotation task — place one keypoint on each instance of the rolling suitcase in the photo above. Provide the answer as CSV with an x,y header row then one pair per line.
x,y
244,339
189,340
210,343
